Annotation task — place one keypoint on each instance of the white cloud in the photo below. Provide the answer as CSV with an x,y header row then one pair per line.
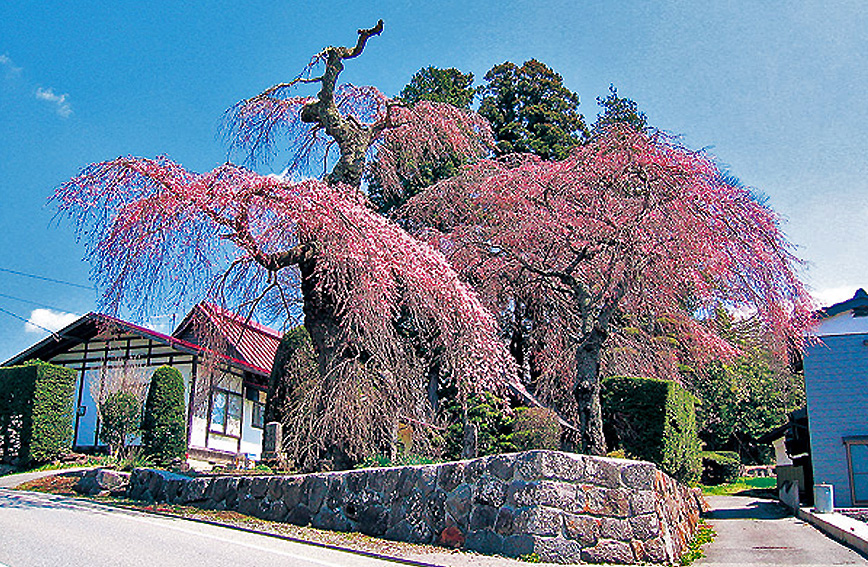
x,y
10,67
831,295
48,319
60,101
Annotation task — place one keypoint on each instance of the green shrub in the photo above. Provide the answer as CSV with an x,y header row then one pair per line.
x,y
654,420
400,460
535,428
294,365
720,467
490,414
36,412
121,417
164,427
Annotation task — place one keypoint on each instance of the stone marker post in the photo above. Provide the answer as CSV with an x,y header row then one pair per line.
x,y
272,442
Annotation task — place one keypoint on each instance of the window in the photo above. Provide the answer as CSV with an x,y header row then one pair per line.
x,y
857,460
226,413
257,418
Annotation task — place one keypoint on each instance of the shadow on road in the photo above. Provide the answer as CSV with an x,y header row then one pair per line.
x,y
755,510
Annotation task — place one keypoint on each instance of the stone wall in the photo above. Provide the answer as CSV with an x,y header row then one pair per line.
x,y
564,507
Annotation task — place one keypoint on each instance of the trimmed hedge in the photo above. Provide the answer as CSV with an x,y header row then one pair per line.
x,y
294,364
654,420
164,426
720,467
36,412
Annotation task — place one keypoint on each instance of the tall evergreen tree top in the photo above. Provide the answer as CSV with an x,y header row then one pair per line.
x,y
618,110
531,110
440,85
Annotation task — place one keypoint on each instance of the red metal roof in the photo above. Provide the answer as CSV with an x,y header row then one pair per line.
x,y
251,342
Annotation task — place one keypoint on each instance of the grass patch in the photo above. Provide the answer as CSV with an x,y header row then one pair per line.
x,y
704,535
742,484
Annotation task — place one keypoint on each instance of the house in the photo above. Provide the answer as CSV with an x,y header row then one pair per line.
x,y
836,386
225,361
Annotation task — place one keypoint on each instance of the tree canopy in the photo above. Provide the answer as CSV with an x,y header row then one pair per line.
x,y
440,85
156,233
618,110
630,228
531,111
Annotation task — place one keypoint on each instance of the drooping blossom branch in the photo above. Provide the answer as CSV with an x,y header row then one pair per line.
x,y
372,133
156,232
631,225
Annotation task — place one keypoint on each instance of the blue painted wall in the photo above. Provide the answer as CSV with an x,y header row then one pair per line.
x,y
836,384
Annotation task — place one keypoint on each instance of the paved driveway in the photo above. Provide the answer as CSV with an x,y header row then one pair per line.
x,y
751,531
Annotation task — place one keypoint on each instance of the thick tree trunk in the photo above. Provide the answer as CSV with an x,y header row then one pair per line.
x,y
320,317
586,390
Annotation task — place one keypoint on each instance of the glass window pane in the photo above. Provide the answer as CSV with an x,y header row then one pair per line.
x,y
859,467
859,458
860,487
218,412
233,422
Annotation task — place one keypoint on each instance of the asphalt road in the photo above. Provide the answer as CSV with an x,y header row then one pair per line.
x,y
761,532
38,530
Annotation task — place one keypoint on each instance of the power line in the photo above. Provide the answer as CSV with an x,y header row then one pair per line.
x,y
29,322
38,304
34,276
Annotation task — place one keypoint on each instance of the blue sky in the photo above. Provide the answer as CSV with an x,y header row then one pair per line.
x,y
775,90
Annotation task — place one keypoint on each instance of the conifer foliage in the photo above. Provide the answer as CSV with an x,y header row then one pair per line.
x,y
164,425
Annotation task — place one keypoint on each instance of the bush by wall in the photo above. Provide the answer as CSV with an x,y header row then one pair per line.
x,y
489,413
653,420
720,467
121,414
535,428
164,426
36,412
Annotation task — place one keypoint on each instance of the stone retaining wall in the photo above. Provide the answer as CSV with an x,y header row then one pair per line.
x,y
564,507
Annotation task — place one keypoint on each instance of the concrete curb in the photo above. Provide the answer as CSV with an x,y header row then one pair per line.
x,y
850,532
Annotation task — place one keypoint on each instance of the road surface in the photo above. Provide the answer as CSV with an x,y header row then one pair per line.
x,y
760,532
39,530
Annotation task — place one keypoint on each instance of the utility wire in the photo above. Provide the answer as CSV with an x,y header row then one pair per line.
x,y
38,304
19,317
44,278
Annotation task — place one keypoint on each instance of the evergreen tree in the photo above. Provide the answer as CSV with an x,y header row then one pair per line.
x,y
619,110
164,428
531,111
440,85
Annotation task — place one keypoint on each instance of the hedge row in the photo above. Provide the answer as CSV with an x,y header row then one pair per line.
x,y
654,420
36,412
720,467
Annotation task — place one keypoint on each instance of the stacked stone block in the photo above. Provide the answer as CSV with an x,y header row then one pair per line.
x,y
564,507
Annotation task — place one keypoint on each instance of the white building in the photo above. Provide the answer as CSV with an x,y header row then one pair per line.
x,y
225,362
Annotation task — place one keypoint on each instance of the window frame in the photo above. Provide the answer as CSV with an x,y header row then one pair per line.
x,y
253,414
223,429
849,442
